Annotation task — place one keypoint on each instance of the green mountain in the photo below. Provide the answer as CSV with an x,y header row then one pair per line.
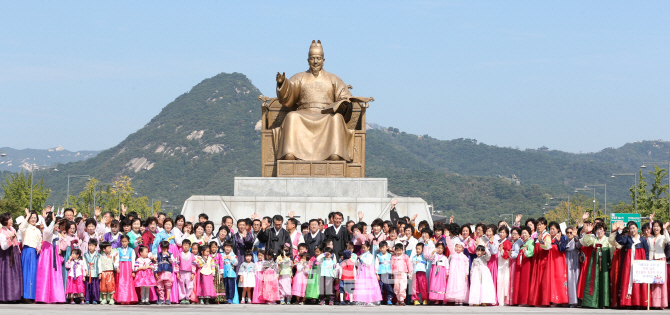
x,y
17,160
203,139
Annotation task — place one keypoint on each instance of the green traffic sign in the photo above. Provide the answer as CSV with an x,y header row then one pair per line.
x,y
625,218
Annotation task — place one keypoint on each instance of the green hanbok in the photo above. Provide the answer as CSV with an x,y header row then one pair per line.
x,y
597,288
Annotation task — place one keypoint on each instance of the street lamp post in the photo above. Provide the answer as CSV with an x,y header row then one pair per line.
x,y
600,185
594,197
634,185
67,199
644,165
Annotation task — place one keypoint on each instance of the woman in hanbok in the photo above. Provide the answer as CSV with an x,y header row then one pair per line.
x,y
615,268
524,268
504,270
366,287
549,275
572,251
657,242
493,246
11,285
482,290
513,253
597,285
68,242
459,269
31,237
632,294
49,274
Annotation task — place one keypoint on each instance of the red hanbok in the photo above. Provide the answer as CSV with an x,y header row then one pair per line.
x,y
615,277
635,295
582,274
522,275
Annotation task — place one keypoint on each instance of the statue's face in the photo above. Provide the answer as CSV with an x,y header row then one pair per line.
x,y
315,62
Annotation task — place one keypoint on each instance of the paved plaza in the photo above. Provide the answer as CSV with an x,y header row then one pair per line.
x,y
43,309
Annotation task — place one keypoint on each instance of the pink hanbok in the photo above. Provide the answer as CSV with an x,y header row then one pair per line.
x,y
49,269
438,278
457,285
270,286
299,280
366,287
257,297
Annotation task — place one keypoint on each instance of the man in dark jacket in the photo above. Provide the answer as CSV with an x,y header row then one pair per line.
x,y
274,237
338,233
314,237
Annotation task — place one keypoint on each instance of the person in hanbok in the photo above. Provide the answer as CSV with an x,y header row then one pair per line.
x,y
657,242
285,264
615,268
144,276
557,272
125,291
31,237
167,234
482,290
195,251
439,275
76,268
632,294
549,275
513,253
597,285
366,288
419,283
504,270
524,268
206,290
68,242
493,245
49,274
247,272
11,285
459,269
468,242
312,291
572,251
257,297
270,285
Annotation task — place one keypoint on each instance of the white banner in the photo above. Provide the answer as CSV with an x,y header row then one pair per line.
x,y
649,271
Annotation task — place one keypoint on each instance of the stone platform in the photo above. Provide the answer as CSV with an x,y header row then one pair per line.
x,y
308,198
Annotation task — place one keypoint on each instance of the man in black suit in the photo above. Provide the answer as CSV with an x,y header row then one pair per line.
x,y
314,237
338,233
274,237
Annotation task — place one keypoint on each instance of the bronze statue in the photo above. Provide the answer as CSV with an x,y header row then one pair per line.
x,y
317,127
316,130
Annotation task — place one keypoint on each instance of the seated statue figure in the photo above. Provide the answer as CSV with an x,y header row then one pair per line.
x,y
316,129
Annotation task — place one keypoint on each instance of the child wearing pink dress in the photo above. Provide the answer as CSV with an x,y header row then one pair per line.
x,y
300,279
366,287
439,274
257,297
144,274
76,271
206,290
457,284
270,286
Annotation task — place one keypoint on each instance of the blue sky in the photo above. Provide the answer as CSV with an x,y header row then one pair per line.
x,y
572,75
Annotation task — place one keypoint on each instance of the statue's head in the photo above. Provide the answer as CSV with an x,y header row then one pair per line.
x,y
315,57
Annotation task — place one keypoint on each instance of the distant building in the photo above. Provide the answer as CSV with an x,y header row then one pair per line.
x,y
543,148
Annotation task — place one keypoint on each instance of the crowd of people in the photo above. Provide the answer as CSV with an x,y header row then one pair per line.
x,y
276,260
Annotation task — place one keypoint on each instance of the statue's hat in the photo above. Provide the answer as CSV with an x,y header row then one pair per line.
x,y
315,48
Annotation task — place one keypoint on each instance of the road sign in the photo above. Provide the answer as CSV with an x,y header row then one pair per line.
x,y
625,218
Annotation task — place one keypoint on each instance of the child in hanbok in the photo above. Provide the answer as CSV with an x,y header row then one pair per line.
x,y
228,261
314,267
366,289
402,271
206,290
257,297
125,291
68,242
195,251
299,284
219,282
285,264
114,236
384,275
76,268
164,271
92,282
327,275
144,275
186,272
107,263
347,268
270,286
482,291
439,275
247,272
419,283
459,269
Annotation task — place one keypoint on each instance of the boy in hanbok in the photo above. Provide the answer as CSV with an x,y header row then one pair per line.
x,y
92,282
164,273
107,263
402,270
326,277
482,290
347,268
384,273
419,283
228,270
114,236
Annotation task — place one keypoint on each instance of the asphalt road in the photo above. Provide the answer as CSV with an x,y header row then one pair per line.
x,y
43,309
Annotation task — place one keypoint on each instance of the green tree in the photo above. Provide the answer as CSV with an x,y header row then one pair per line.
x,y
16,189
651,201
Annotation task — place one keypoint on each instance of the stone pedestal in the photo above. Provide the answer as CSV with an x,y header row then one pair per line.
x,y
308,198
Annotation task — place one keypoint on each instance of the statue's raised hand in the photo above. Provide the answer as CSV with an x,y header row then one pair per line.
x,y
281,77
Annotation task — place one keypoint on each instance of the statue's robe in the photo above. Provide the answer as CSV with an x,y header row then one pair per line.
x,y
307,132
